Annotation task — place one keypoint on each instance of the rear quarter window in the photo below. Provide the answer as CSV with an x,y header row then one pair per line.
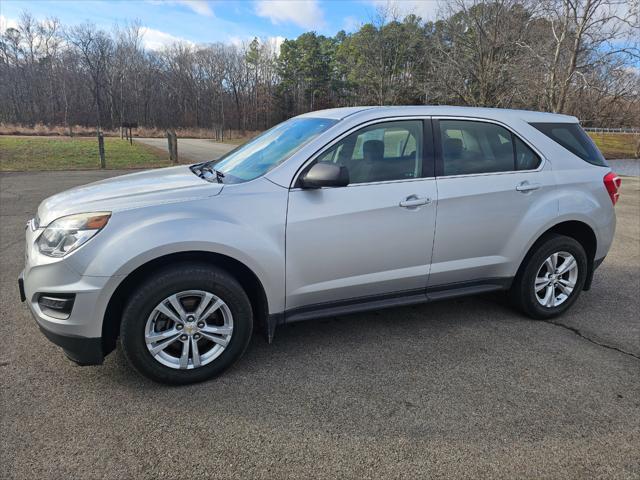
x,y
572,137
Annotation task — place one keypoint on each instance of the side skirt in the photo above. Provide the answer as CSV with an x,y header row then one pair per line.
x,y
377,302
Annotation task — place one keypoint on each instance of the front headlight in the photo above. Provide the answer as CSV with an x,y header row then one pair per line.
x,y
67,233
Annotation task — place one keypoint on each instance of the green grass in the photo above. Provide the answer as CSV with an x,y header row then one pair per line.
x,y
63,153
616,145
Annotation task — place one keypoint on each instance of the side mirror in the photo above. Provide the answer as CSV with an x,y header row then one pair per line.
x,y
325,175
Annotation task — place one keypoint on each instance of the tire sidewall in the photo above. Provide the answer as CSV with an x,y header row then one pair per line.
x,y
167,283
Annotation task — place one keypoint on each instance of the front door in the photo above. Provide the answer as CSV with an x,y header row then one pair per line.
x,y
373,236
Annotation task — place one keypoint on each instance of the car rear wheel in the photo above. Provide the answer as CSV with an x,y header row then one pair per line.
x,y
551,278
186,324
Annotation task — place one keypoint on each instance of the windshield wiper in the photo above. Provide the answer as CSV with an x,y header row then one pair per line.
x,y
206,172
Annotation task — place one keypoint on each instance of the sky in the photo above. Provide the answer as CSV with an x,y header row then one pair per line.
x,y
205,21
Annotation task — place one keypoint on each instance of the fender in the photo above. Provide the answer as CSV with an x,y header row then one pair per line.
x,y
584,200
243,230
147,241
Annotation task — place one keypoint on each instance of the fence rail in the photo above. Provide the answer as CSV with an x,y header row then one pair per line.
x,y
613,130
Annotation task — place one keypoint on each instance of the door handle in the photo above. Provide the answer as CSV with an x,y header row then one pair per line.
x,y
413,201
527,187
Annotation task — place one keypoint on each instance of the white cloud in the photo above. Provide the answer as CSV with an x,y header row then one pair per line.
x,y
7,23
236,41
201,7
276,43
351,24
304,13
427,9
243,42
157,40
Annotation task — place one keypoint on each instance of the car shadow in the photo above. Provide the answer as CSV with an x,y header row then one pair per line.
x,y
296,343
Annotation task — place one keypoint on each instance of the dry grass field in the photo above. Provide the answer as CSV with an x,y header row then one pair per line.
x,y
231,136
617,145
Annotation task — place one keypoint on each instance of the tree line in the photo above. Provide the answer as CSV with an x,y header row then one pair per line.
x,y
578,57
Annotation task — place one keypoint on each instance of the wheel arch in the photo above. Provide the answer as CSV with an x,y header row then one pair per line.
x,y
243,274
580,231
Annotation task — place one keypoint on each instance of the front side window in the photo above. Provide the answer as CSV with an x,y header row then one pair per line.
x,y
572,137
381,152
268,150
470,147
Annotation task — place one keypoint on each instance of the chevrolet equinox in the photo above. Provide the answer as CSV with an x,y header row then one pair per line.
x,y
325,214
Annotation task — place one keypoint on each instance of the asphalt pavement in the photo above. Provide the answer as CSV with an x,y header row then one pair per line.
x,y
627,166
191,149
465,388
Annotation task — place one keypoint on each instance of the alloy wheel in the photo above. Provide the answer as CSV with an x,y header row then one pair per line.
x,y
188,329
556,279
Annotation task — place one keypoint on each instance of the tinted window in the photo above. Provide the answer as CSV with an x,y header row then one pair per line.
x,y
274,146
480,147
572,137
380,152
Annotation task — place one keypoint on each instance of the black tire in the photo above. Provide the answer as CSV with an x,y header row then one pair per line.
x,y
522,291
171,280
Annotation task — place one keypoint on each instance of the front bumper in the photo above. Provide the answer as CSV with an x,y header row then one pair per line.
x,y
79,333
81,350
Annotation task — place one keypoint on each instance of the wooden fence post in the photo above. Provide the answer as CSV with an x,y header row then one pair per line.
x,y
103,163
175,147
172,140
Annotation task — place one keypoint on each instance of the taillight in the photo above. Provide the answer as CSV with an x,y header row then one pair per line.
x,y
612,184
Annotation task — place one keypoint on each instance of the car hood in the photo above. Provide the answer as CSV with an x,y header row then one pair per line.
x,y
164,185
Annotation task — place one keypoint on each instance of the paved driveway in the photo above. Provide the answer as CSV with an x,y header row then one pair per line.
x,y
460,389
194,149
629,166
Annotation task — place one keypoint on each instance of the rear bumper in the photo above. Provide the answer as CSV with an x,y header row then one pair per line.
x,y
590,273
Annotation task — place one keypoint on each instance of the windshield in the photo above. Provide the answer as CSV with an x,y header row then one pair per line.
x,y
268,150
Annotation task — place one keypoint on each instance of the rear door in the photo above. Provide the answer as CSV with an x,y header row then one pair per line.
x,y
374,236
493,191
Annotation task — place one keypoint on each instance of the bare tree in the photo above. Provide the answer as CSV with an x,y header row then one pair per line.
x,y
95,48
585,35
574,56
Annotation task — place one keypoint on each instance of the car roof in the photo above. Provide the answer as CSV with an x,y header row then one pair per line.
x,y
336,113
500,114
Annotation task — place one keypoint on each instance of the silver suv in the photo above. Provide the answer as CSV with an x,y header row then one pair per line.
x,y
328,213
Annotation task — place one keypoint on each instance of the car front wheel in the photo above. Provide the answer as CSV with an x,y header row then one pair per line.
x,y
186,324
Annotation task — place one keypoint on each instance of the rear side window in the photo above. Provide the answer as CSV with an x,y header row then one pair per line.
x,y
572,137
470,147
